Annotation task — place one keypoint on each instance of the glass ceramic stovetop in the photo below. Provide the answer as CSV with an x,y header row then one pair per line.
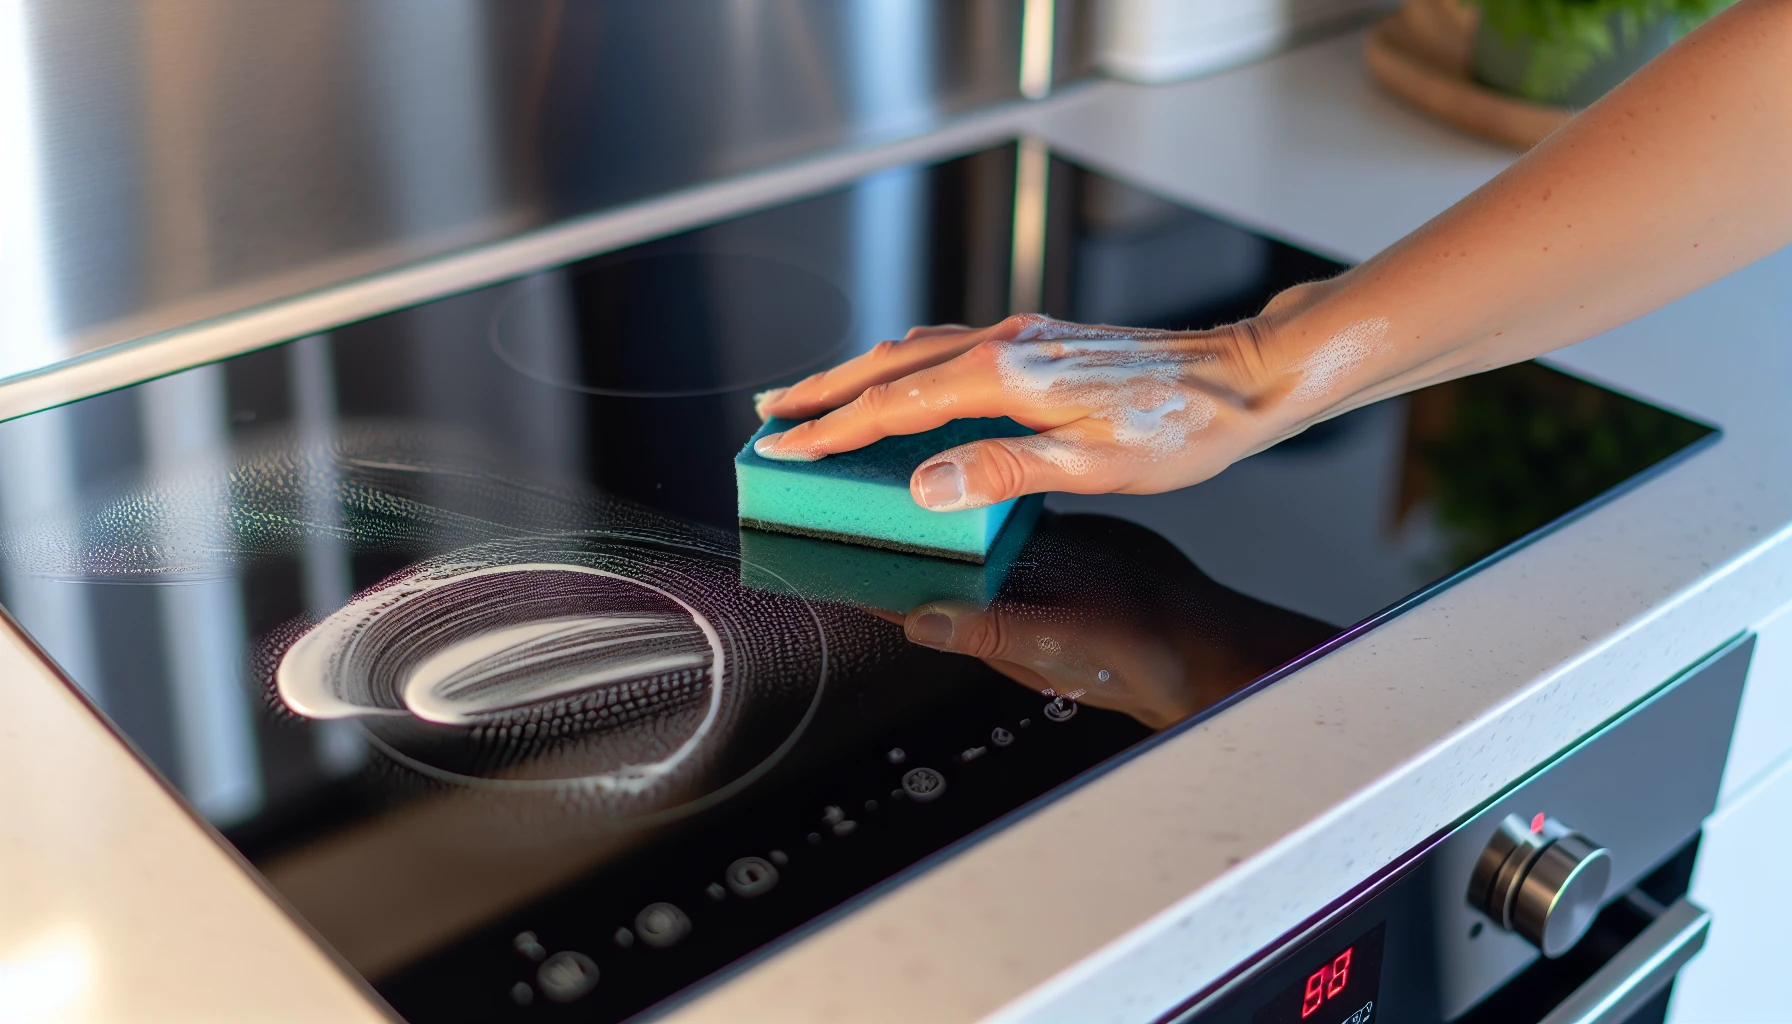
x,y
444,621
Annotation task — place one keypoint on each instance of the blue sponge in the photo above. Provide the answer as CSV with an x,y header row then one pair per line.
x,y
822,570
862,496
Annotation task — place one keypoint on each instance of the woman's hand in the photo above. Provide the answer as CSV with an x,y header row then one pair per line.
x,y
1572,239
1117,409
1105,612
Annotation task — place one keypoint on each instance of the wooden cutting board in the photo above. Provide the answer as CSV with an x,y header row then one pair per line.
x,y
1423,54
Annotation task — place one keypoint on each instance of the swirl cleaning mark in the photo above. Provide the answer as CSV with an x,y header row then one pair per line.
x,y
519,665
1334,360
549,640
436,646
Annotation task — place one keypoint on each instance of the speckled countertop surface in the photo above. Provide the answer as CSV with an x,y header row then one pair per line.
x,y
1119,900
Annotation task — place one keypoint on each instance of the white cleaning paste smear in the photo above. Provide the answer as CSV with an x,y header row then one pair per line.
x,y
1088,372
339,668
1131,383
1162,430
1334,360
1044,328
1067,456
532,662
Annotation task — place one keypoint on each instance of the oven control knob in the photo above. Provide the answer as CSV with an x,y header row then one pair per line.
x,y
1542,880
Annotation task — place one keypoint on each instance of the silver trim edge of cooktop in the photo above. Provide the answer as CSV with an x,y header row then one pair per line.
x,y
327,308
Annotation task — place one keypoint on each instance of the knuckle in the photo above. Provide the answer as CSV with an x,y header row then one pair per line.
x,y
1019,325
988,351
813,387
873,402
1005,472
882,351
985,638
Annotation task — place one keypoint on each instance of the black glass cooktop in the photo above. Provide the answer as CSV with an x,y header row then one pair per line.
x,y
444,620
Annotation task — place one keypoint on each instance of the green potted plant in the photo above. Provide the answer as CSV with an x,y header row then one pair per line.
x,y
1569,52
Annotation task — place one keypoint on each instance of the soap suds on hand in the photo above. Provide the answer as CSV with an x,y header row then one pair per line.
x,y
1062,453
1341,354
1125,378
1162,430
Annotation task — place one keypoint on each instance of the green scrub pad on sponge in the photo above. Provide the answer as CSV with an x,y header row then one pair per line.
x,y
823,570
862,496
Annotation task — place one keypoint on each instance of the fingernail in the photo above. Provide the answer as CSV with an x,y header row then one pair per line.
x,y
941,485
933,629
765,398
767,448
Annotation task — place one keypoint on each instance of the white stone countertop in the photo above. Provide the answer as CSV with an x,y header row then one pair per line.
x,y
1118,900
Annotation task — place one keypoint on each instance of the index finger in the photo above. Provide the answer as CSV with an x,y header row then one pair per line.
x,y
965,387
887,361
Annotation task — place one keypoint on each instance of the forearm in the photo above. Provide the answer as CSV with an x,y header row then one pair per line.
x,y
1679,176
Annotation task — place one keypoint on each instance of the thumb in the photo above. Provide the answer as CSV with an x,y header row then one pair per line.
x,y
986,472
965,629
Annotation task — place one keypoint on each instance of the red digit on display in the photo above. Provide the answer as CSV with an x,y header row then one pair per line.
x,y
1340,973
1315,991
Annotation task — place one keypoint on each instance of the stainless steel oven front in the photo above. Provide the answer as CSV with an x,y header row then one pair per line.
x,y
1561,900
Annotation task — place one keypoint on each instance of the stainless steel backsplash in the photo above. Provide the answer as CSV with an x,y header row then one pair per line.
x,y
176,160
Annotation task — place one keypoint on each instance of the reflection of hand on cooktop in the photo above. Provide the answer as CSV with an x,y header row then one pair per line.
x,y
1110,614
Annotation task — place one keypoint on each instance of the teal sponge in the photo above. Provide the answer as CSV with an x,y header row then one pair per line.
x,y
862,496
896,581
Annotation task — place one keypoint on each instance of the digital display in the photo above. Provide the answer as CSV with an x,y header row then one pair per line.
x,y
1339,988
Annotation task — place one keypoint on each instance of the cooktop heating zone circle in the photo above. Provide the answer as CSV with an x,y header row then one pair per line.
x,y
633,672
671,325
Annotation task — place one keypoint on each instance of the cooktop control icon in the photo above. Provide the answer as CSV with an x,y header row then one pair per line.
x,y
662,925
1061,709
751,876
567,976
923,785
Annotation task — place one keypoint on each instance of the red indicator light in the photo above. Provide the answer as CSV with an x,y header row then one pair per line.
x,y
1340,973
1325,983
1537,823
1315,992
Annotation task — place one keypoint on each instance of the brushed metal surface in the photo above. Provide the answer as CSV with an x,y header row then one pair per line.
x,y
1640,970
173,162
1667,755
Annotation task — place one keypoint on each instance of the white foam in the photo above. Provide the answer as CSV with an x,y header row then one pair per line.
x,y
1067,456
1092,372
1044,328
1342,353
